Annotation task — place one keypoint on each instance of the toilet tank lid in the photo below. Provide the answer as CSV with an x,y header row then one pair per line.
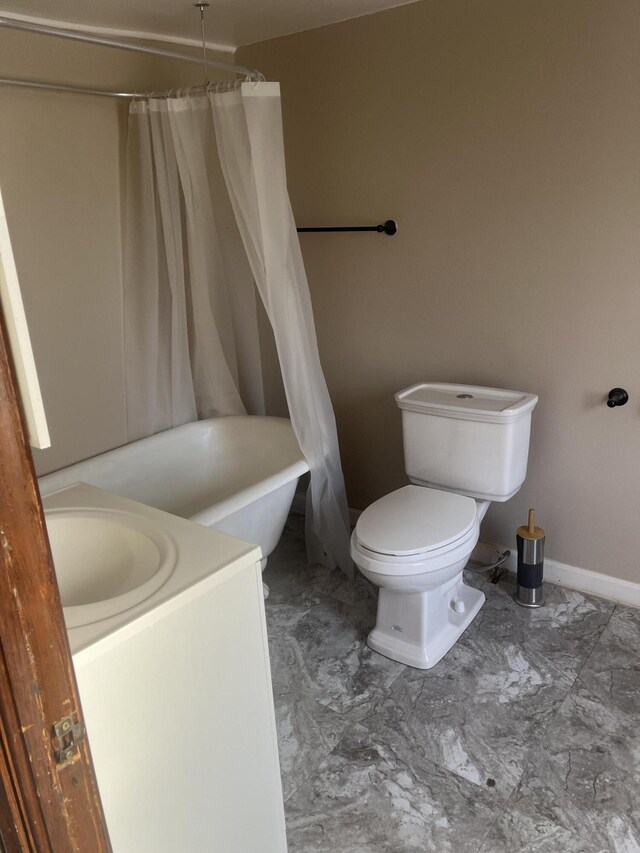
x,y
467,402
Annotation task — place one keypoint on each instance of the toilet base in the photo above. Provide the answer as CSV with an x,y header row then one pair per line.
x,y
419,628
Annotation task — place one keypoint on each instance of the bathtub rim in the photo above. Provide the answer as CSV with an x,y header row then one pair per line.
x,y
53,481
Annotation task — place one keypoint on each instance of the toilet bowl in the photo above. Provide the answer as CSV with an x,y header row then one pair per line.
x,y
464,447
414,544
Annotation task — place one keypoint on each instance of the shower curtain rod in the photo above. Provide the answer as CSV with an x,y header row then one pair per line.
x,y
43,29
85,90
58,87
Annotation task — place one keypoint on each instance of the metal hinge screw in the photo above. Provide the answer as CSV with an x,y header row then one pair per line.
x,y
67,733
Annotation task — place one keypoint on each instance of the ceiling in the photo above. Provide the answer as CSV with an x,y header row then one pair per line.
x,y
229,23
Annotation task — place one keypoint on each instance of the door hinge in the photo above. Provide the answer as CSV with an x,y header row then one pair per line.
x,y
67,734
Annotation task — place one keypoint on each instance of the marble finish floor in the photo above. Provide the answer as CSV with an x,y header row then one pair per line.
x,y
525,737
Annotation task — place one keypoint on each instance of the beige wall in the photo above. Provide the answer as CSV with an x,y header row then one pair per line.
x,y
61,173
503,137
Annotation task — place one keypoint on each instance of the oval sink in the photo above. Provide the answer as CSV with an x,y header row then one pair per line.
x,y
106,561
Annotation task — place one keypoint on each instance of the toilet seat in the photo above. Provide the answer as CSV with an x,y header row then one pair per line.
x,y
415,522
426,563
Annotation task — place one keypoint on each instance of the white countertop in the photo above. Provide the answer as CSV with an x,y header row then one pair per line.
x,y
205,558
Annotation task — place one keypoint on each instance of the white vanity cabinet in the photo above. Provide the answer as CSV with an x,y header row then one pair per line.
x,y
177,700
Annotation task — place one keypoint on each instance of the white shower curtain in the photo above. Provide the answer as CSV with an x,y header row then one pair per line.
x,y
191,339
190,324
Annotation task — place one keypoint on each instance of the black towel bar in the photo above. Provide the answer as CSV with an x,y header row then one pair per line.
x,y
389,227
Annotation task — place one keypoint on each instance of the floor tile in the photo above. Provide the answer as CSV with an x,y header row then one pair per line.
x,y
370,797
613,669
582,783
520,831
581,788
565,630
323,655
476,714
307,730
322,671
307,733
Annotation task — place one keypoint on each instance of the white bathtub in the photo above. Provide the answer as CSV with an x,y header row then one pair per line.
x,y
235,474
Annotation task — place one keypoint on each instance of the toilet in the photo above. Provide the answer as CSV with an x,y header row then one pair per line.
x,y
464,447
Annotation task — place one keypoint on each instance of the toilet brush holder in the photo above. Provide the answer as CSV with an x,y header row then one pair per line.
x,y
530,541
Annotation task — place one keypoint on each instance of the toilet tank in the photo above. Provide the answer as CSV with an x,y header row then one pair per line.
x,y
466,439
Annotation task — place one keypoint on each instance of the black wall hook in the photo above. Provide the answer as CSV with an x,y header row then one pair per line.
x,y
617,397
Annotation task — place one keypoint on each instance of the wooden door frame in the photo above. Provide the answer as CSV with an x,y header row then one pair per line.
x,y
45,805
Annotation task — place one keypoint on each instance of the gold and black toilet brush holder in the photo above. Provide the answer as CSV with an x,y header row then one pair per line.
x,y
530,541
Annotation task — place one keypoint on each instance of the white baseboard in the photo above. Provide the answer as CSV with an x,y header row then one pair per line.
x,y
584,580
